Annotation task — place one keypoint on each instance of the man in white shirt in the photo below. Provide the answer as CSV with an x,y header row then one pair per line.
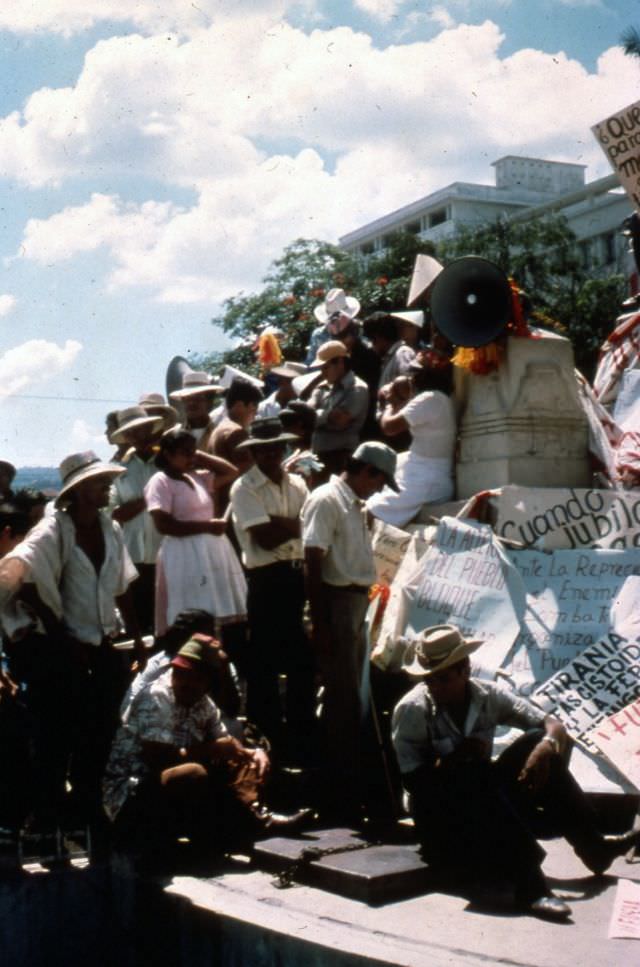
x,y
139,431
340,570
73,570
266,503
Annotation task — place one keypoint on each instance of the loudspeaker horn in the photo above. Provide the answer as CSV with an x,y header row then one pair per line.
x,y
471,301
175,373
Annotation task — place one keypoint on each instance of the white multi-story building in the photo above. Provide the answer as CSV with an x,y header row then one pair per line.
x,y
525,188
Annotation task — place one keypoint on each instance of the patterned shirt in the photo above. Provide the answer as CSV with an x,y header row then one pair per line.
x,y
154,716
420,730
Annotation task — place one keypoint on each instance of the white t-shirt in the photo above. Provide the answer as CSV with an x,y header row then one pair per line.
x,y
432,421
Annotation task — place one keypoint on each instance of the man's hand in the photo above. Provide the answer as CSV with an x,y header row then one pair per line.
x,y
339,419
261,762
8,688
535,772
139,661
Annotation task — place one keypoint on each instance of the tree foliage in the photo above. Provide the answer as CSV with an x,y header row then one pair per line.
x,y
542,255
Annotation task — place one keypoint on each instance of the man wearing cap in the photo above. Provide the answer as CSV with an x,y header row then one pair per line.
x,y
479,818
140,431
340,569
266,503
285,373
73,570
341,401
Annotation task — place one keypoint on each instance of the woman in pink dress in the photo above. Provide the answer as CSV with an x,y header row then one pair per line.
x,y
197,566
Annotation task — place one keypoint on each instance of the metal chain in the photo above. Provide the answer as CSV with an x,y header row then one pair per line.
x,y
310,854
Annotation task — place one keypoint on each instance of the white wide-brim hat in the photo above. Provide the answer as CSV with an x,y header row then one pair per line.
x,y
336,301
134,418
438,647
195,384
78,467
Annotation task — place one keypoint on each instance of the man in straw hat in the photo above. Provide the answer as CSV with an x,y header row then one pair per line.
x,y
140,430
341,401
73,570
480,818
197,397
340,570
266,503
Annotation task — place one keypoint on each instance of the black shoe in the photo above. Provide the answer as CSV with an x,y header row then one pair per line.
x,y
276,823
549,908
600,859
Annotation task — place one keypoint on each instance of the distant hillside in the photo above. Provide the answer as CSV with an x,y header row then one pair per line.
x,y
37,478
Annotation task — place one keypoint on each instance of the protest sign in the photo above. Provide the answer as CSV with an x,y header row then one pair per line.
x,y
465,579
604,678
569,600
618,736
626,411
625,919
619,138
569,518
388,652
389,546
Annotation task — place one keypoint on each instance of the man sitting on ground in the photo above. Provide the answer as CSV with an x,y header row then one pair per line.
x,y
479,818
172,765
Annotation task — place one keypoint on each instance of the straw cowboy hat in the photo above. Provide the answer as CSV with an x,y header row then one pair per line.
x,y
155,405
336,301
135,418
333,349
79,467
439,647
266,431
194,384
289,370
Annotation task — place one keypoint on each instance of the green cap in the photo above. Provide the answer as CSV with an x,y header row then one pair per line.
x,y
380,456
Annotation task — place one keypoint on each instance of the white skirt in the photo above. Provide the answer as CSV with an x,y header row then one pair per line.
x,y
201,571
422,480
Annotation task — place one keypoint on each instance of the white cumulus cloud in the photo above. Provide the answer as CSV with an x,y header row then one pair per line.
x,y
8,303
306,134
382,10
33,363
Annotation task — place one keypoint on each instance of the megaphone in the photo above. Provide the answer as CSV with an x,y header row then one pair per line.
x,y
471,301
175,372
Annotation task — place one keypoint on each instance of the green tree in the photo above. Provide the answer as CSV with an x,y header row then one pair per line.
x,y
630,41
298,281
542,255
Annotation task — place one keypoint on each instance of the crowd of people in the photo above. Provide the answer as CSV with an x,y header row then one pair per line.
x,y
228,540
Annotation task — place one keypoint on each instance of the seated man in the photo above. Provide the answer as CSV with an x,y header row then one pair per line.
x,y
175,770
478,817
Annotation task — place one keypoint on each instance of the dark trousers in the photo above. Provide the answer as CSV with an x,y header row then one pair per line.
x,y
143,590
475,817
279,645
72,693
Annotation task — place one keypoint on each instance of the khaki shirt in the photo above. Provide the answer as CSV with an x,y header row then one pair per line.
x,y
335,520
254,498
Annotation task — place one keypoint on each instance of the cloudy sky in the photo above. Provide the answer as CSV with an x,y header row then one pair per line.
x,y
156,155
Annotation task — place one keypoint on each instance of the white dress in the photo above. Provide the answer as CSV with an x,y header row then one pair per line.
x,y
424,473
199,571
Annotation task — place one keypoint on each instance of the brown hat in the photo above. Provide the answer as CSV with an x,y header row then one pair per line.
x,y
155,405
333,349
439,647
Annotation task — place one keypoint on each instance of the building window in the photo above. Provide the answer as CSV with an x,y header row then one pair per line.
x,y
585,254
413,227
367,248
437,217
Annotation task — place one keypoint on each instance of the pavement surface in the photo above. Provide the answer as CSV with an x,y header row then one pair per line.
x,y
434,929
